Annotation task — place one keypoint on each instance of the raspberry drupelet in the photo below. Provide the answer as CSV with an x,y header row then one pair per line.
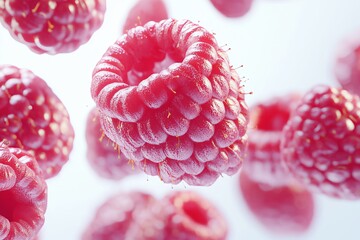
x,y
33,118
23,195
170,99
52,26
321,142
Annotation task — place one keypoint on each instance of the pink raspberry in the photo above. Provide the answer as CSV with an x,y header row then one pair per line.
x,y
52,26
286,209
232,8
144,11
114,217
172,103
263,159
103,154
321,142
181,215
347,66
23,195
33,118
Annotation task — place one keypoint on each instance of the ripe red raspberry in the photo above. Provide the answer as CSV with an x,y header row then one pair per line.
x,y
232,8
52,26
347,66
321,142
181,215
263,159
103,154
114,217
33,118
23,195
287,209
172,102
144,11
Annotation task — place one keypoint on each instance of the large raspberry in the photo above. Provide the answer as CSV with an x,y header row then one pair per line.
x,y
103,154
267,119
114,217
33,118
23,195
287,209
232,8
52,26
181,215
321,142
144,11
347,66
169,98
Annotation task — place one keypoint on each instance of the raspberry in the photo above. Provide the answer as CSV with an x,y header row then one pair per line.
x,y
52,27
347,66
144,11
172,103
103,154
232,8
286,209
263,160
33,118
114,217
23,195
181,215
321,142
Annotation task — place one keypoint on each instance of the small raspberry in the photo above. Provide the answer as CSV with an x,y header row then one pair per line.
x,y
321,142
232,8
181,215
288,209
172,103
33,118
347,66
103,154
267,119
23,195
144,11
114,217
52,26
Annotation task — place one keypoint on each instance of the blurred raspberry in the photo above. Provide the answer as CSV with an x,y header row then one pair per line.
x,y
232,8
172,103
103,154
52,26
288,209
33,118
321,142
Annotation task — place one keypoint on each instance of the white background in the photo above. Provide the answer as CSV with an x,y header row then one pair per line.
x,y
284,45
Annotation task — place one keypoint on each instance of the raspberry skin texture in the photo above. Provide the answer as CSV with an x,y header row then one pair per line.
x,y
33,118
321,141
180,215
104,155
23,195
347,65
52,26
144,11
115,216
263,159
232,8
172,103
284,210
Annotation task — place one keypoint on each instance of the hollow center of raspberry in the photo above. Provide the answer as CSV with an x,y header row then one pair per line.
x,y
271,118
8,204
196,212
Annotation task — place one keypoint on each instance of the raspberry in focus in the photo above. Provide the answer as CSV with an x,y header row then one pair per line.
x,y
23,195
52,26
284,210
104,155
144,11
232,8
321,142
172,102
33,118
267,119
